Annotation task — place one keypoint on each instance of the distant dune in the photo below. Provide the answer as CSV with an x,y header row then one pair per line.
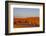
x,y
26,22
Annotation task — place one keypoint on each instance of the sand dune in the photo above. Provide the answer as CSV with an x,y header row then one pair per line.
x,y
26,22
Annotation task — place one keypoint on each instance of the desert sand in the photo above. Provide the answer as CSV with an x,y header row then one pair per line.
x,y
26,22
